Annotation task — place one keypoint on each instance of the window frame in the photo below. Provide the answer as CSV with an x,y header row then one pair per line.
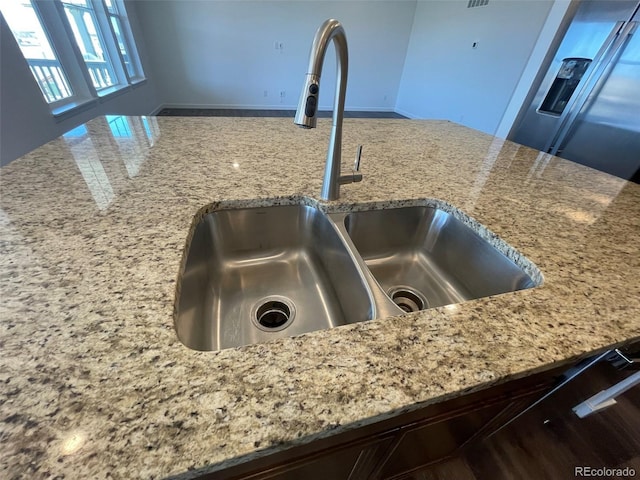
x,y
104,41
127,37
54,22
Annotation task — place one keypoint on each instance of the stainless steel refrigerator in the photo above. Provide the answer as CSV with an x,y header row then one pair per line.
x,y
586,107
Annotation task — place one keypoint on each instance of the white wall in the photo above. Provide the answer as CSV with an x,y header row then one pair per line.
x,y
26,121
221,53
444,77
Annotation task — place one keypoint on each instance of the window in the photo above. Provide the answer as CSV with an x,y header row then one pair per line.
x,y
83,23
77,50
36,48
123,36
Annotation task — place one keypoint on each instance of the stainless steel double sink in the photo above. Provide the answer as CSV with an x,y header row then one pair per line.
x,y
256,274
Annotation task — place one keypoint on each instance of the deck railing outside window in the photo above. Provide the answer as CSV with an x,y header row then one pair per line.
x,y
77,50
100,76
50,78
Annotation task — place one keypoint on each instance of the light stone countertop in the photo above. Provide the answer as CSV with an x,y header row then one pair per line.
x,y
95,383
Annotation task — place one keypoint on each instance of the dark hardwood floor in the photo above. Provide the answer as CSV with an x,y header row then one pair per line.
x,y
550,441
227,112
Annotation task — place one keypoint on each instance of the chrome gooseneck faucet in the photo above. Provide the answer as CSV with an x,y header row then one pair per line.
x,y
308,105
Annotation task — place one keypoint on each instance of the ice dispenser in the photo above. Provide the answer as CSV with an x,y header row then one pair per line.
x,y
565,83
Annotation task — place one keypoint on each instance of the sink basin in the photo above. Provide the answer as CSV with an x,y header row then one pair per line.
x,y
424,257
256,274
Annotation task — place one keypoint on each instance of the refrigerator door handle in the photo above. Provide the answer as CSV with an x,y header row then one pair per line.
x,y
599,74
606,398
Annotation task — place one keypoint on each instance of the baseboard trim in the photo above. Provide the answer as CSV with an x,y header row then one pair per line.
x,y
410,116
267,107
157,110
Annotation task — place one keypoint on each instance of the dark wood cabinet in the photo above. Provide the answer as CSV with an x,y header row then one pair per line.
x,y
321,460
336,466
356,461
419,445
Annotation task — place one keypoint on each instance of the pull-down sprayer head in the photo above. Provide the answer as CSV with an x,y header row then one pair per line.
x,y
308,103
306,114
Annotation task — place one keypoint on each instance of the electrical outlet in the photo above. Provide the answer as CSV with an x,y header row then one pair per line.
x,y
266,93
283,93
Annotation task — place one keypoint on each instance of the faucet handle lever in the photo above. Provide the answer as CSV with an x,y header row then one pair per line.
x,y
355,175
356,165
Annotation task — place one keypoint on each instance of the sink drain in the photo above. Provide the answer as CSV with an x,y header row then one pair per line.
x,y
408,299
273,314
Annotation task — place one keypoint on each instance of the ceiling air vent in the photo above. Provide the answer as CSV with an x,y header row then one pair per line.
x,y
477,3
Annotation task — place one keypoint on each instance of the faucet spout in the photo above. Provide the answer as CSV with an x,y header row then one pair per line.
x,y
306,114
